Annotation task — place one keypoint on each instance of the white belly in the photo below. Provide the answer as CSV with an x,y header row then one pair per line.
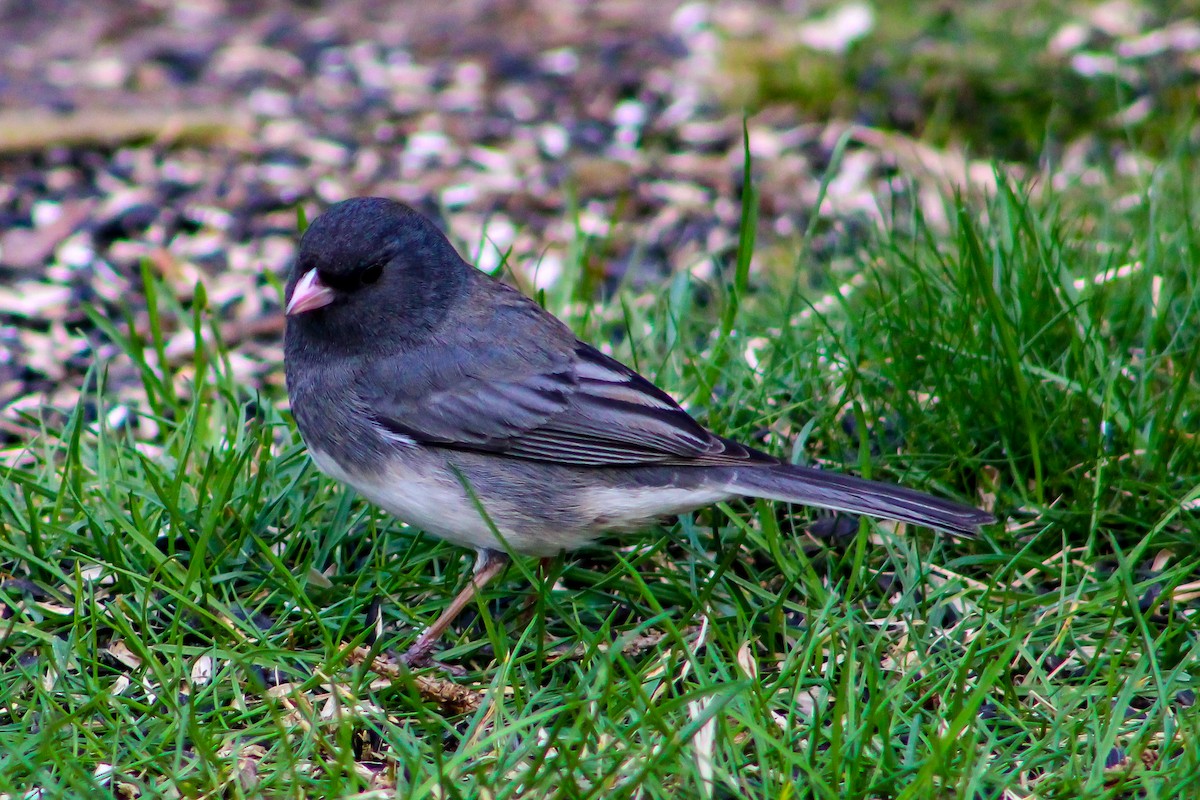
x,y
421,498
426,494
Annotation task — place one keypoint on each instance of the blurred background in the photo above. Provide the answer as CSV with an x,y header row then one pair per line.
x,y
189,133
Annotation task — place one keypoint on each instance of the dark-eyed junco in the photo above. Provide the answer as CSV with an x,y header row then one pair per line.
x,y
463,408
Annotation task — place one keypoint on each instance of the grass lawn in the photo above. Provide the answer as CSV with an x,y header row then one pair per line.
x,y
187,614
188,609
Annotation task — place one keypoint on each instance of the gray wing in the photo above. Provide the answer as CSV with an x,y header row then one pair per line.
x,y
539,394
616,416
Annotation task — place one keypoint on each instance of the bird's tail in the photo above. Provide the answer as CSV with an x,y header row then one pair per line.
x,y
814,487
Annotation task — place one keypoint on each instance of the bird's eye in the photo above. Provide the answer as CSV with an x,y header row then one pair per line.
x,y
371,274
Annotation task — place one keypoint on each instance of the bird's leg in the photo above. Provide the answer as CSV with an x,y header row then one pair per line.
x,y
488,565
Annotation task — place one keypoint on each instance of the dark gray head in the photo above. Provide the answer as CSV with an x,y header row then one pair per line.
x,y
371,270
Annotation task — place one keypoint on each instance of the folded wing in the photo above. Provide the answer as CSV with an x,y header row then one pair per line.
x,y
541,394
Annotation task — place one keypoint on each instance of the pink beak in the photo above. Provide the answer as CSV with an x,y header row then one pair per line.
x,y
309,293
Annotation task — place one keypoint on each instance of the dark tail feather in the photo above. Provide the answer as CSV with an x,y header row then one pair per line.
x,y
814,487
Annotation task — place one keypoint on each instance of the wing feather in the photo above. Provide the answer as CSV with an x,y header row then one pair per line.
x,y
541,394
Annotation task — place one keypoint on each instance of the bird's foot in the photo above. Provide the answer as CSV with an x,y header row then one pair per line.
x,y
418,657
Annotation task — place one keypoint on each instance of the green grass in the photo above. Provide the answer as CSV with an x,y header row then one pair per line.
x,y
998,78
183,596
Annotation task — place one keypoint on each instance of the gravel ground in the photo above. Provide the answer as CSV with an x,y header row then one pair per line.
x,y
492,114
185,136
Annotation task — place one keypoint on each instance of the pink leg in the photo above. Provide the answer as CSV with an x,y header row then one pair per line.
x,y
489,564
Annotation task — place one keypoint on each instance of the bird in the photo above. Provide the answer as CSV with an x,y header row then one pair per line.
x,y
463,408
